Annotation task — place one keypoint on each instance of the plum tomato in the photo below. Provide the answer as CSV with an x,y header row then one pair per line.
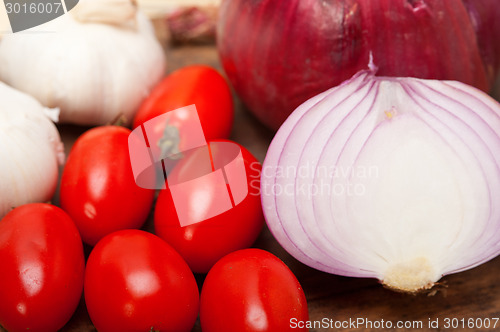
x,y
254,291
134,281
98,189
200,85
42,268
203,243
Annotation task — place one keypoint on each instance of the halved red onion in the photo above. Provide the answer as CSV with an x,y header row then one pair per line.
x,y
391,178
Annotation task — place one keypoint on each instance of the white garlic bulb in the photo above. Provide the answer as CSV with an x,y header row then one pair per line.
x,y
30,150
95,63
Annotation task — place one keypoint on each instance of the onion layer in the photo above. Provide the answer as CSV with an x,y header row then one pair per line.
x,y
392,178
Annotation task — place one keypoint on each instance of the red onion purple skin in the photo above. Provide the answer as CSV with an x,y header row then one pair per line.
x,y
279,53
485,18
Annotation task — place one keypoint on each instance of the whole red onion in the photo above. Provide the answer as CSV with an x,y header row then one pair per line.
x,y
279,53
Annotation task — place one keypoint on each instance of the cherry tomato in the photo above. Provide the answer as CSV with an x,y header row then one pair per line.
x,y
98,189
197,84
202,244
42,268
136,282
251,290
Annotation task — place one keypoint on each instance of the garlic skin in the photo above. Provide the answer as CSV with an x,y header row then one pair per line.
x,y
87,64
30,150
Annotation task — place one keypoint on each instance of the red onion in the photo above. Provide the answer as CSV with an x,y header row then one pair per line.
x,y
279,53
391,178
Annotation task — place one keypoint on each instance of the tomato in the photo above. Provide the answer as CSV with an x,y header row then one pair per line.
x,y
136,282
98,189
200,85
41,277
251,290
202,244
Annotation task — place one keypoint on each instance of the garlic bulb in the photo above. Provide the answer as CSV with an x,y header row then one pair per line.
x,y
30,150
390,178
95,63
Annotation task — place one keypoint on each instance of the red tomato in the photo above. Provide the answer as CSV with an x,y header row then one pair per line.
x,y
136,282
98,189
203,244
41,277
251,290
200,85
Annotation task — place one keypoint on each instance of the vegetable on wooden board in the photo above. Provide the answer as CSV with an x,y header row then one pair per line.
x,y
95,63
279,53
390,178
30,150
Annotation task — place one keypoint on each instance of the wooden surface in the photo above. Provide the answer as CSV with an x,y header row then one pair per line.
x,y
471,294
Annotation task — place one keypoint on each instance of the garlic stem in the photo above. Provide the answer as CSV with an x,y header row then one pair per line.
x,y
114,12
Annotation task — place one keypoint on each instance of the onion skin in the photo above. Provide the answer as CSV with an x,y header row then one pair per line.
x,y
485,17
279,53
